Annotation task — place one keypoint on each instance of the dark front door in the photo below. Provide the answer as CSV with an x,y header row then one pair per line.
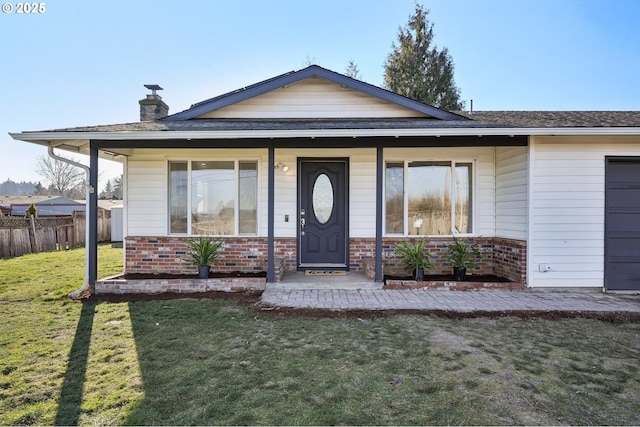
x,y
622,224
322,214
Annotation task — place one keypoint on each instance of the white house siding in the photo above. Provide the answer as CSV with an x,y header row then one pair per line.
x,y
313,98
147,186
146,207
511,192
484,177
362,189
567,208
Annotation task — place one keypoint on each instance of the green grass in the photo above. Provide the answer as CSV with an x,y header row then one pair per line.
x,y
216,362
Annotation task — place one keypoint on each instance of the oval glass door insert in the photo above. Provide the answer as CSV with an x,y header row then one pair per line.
x,y
322,198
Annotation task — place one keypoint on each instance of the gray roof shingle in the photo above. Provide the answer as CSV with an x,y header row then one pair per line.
x,y
558,119
479,119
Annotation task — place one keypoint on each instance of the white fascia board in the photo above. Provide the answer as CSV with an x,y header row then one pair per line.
x,y
38,137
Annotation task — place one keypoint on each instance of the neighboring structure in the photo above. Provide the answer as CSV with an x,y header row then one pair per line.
x,y
47,206
318,170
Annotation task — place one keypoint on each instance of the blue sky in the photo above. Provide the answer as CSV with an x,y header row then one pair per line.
x,y
84,63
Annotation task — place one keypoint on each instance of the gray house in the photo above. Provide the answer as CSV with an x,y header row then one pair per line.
x,y
46,206
313,170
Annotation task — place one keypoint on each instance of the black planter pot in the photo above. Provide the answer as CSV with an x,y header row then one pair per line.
x,y
203,271
459,274
419,274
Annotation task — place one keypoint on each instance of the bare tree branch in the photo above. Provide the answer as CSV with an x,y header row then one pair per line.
x,y
66,179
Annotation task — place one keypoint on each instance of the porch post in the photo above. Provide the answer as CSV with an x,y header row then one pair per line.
x,y
379,195
92,216
270,216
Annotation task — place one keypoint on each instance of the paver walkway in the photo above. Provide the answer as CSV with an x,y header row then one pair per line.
x,y
457,301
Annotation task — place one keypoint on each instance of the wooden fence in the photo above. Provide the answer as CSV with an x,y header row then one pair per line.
x,y
20,236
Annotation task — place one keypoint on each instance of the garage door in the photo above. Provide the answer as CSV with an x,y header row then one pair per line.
x,y
622,224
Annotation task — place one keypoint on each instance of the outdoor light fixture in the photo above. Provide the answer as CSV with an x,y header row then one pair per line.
x,y
282,166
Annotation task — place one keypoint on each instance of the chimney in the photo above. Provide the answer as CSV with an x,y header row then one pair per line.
x,y
153,107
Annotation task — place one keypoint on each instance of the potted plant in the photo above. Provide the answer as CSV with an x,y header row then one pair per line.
x,y
203,252
414,258
462,255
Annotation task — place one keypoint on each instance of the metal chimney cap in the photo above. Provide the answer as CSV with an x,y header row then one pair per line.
x,y
153,88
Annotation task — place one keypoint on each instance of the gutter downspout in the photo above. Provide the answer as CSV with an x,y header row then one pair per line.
x,y
85,288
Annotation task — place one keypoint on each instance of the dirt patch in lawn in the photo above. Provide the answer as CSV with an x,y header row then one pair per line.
x,y
252,300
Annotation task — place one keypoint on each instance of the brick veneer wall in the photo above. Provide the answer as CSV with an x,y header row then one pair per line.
x,y
510,259
502,257
166,255
436,246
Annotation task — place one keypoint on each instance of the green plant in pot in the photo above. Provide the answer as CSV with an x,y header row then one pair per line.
x,y
414,257
203,251
462,255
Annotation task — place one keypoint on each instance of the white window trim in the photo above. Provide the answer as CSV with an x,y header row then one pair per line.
x,y
236,164
452,190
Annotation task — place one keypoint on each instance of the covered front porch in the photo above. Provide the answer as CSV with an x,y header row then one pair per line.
x,y
279,214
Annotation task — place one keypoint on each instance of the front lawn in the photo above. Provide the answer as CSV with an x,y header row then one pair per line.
x,y
216,361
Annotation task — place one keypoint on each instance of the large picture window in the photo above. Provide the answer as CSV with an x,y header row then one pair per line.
x,y
428,198
213,197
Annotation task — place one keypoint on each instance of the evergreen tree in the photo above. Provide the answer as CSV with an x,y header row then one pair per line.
x,y
117,187
38,189
12,188
107,193
417,69
352,70
112,189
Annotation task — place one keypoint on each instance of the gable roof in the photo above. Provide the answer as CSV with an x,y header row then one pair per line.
x,y
195,124
292,77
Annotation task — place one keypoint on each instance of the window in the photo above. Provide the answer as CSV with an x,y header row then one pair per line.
x,y
213,197
422,198
178,185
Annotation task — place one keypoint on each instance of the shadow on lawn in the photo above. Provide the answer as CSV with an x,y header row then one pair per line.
x,y
182,350
74,378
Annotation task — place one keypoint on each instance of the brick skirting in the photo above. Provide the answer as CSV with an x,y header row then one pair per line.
x,y
505,258
167,255
502,257
158,286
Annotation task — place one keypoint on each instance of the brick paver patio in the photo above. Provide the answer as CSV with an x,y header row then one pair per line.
x,y
464,302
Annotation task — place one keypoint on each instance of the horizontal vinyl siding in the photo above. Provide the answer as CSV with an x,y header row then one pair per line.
x,y
285,195
362,194
313,98
146,197
362,189
511,192
568,208
147,186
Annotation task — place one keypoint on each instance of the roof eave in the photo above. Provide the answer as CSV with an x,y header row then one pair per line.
x,y
60,138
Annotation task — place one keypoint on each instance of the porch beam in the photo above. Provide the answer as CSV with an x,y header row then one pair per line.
x,y
271,216
92,216
320,142
379,195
